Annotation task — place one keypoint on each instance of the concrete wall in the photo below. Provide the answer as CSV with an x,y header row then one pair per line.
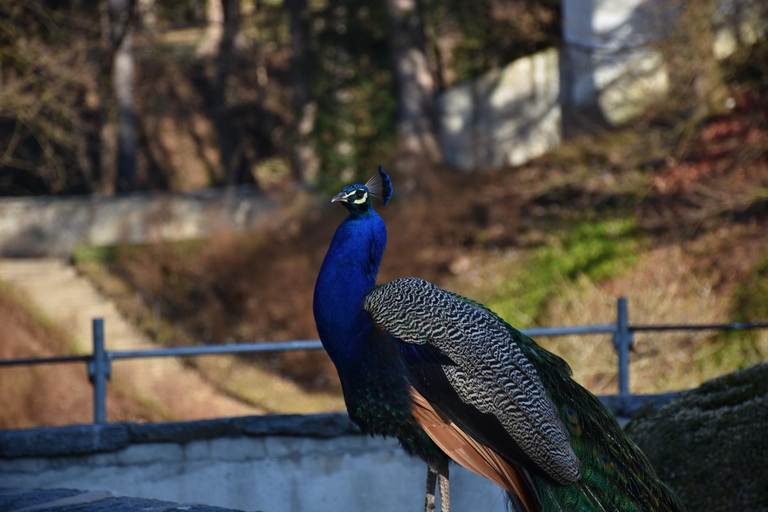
x,y
271,463
44,225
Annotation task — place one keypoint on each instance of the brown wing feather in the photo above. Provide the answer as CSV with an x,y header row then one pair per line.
x,y
473,455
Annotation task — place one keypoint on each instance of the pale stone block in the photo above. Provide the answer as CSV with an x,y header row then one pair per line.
x,y
629,85
506,117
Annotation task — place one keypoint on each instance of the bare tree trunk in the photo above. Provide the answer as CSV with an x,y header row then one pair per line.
x,y
226,63
118,133
303,156
123,80
414,81
104,181
214,30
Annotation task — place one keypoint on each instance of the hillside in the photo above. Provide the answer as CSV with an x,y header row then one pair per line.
x,y
677,227
670,214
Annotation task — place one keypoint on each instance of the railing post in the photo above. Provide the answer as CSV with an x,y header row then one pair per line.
x,y
99,369
622,342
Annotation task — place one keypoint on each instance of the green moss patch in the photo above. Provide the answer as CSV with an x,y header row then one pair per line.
x,y
598,249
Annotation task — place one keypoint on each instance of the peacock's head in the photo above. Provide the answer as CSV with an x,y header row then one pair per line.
x,y
357,198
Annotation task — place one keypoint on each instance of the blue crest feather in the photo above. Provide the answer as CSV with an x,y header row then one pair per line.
x,y
380,186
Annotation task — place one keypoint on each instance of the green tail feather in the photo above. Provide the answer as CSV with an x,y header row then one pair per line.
x,y
616,475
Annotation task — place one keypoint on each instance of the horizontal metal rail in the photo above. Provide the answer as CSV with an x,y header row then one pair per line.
x,y
240,348
733,326
567,331
45,360
100,361
269,347
290,346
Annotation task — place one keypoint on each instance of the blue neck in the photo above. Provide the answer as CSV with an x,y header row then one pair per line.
x,y
349,271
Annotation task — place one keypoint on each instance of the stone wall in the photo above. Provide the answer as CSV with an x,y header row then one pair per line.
x,y
268,463
39,226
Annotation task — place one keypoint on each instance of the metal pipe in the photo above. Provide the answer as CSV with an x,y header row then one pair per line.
x,y
565,331
733,326
45,360
98,373
271,346
622,341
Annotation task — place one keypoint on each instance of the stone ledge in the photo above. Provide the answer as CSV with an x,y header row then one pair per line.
x,y
53,226
86,439
69,500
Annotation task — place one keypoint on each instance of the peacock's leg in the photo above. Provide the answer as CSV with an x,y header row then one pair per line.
x,y
429,506
442,478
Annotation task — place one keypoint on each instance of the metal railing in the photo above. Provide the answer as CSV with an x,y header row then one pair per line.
x,y
99,363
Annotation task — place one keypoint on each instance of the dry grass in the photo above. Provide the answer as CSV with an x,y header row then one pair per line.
x,y
662,289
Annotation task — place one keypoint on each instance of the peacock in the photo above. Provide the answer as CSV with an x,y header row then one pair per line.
x,y
453,381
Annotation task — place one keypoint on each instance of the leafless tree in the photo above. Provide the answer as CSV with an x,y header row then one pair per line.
x,y
118,158
414,81
227,61
304,159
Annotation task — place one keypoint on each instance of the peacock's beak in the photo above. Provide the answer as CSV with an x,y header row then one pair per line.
x,y
341,196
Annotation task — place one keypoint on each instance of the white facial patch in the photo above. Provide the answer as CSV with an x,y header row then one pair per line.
x,y
362,199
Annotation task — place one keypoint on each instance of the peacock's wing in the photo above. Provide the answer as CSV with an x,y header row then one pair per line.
x,y
464,361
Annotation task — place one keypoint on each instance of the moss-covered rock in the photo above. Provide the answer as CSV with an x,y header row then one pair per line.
x,y
711,443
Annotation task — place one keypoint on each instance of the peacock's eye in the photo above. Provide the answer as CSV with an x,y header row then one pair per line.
x,y
359,194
